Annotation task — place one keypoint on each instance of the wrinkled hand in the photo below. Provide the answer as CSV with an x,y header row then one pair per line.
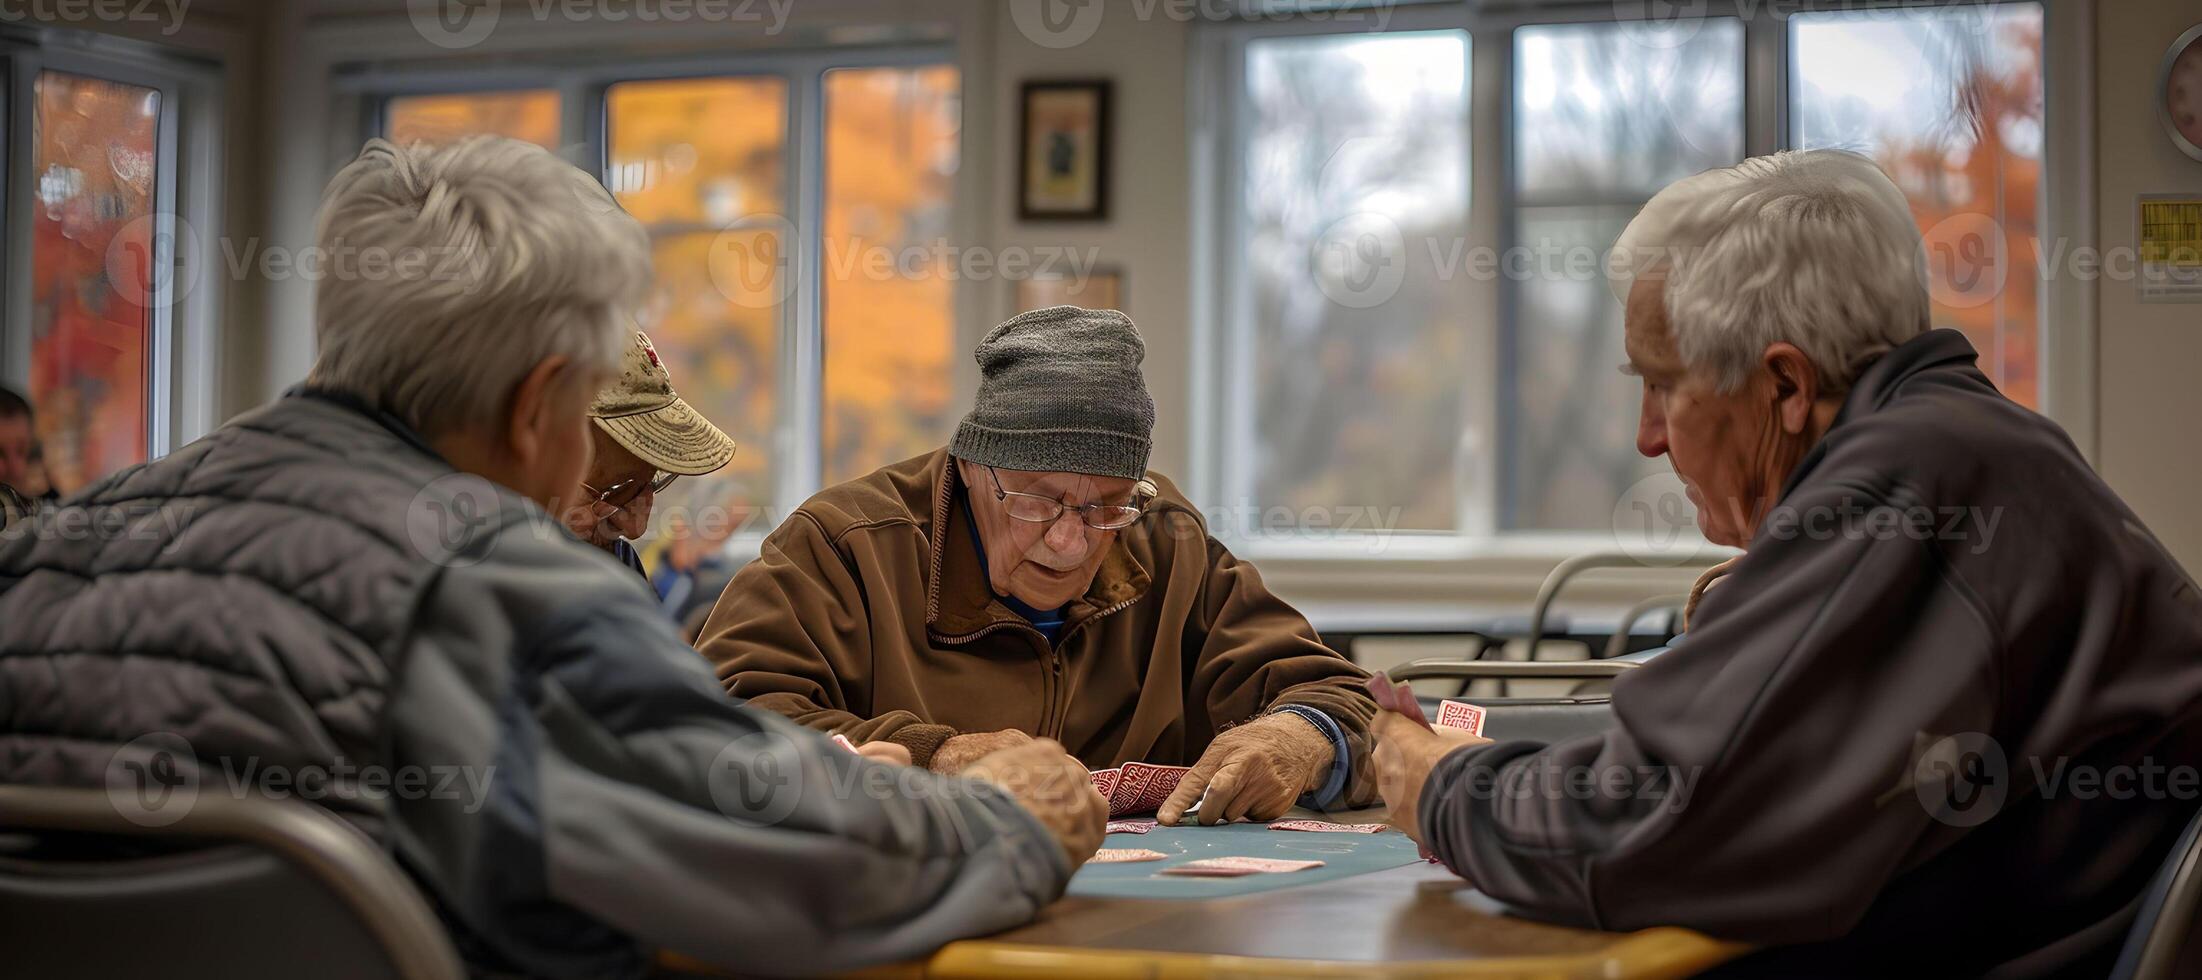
x,y
1056,788
1405,752
1254,771
887,752
962,750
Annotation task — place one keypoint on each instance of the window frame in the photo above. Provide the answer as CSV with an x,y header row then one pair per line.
x,y
1222,390
181,332
799,424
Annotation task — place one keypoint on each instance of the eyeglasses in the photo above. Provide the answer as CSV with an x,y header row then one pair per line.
x,y
1033,508
619,495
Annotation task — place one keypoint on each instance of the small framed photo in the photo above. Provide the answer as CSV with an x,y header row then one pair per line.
x,y
1102,288
1063,155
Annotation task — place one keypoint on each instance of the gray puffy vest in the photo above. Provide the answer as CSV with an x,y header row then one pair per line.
x,y
239,604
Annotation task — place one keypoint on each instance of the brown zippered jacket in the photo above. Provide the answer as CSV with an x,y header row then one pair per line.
x,y
868,614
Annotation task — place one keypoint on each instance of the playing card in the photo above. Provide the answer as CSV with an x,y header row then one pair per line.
x,y
1397,697
1104,783
1226,867
1462,715
1326,827
1124,855
1144,787
843,741
1130,826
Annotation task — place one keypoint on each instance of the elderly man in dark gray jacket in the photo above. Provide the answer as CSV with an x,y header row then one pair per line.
x,y
1943,716
359,595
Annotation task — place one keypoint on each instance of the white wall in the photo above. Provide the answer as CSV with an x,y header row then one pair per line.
x,y
2150,403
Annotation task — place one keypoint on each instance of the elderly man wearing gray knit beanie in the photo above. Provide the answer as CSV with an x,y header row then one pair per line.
x,y
1033,579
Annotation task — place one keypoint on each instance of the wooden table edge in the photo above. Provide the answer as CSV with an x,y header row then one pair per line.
x,y
1650,954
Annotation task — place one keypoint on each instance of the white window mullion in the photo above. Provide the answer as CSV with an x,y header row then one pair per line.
x,y
803,378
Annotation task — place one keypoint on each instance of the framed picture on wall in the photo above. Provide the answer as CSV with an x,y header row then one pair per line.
x,y
1063,151
1101,289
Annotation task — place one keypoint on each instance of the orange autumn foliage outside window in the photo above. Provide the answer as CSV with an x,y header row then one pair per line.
x,y
530,115
94,154
891,158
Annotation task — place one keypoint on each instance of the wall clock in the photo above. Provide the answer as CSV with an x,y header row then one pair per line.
x,y
2180,92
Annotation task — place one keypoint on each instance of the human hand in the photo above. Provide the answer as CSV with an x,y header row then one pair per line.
x,y
888,752
1405,752
1255,771
959,751
1055,787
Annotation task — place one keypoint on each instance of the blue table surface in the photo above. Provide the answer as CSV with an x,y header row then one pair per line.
x,y
1342,855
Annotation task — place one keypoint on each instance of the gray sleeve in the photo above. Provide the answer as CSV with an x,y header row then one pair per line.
x,y
622,802
1760,781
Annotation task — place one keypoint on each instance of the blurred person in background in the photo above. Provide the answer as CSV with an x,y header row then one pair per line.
x,y
372,567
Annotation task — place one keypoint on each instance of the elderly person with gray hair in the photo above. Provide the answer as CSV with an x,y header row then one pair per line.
x,y
1033,579
1857,754
365,576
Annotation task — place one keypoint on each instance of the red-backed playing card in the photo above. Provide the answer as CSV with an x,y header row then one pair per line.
x,y
1144,787
1130,826
1104,783
1122,855
1462,715
1326,827
1234,866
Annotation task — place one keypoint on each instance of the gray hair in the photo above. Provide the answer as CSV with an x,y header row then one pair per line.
x,y
1814,247
452,271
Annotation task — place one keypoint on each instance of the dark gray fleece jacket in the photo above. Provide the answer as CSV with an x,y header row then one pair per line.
x,y
1945,714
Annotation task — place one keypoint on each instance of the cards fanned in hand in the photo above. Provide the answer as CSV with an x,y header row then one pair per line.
x,y
1462,715
1232,867
1137,787
843,741
1326,827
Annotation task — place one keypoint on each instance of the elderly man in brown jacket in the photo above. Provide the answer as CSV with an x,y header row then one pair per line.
x,y
1034,580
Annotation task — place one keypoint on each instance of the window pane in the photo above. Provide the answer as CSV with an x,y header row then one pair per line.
x,y
699,162
1610,109
1604,116
1355,147
94,155
1949,102
891,154
530,115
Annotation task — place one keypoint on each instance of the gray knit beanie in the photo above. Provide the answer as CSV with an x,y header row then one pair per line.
x,y
1060,392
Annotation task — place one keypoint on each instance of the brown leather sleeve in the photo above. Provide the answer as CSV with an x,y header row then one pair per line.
x,y
789,635
1257,653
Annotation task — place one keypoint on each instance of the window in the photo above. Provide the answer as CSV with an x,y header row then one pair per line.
x,y
96,160
1410,313
1602,121
1949,102
530,115
699,162
798,208
1350,354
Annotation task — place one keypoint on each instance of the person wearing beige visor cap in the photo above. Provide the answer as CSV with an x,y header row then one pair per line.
x,y
644,437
